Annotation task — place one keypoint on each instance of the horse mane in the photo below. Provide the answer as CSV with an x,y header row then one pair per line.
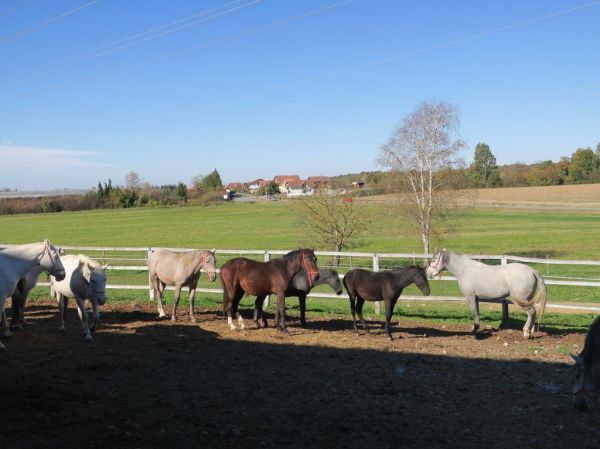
x,y
88,260
592,343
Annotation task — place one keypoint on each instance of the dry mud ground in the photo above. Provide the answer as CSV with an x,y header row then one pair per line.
x,y
145,383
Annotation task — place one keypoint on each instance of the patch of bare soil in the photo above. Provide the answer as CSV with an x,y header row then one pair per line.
x,y
145,383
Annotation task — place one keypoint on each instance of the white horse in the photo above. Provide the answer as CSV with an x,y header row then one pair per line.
x,y
521,283
17,261
85,279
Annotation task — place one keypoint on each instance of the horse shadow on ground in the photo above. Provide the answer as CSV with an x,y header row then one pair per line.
x,y
177,385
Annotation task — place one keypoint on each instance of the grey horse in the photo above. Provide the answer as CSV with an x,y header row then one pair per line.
x,y
521,283
300,288
586,388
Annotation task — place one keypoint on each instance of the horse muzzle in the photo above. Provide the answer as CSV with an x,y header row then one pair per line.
x,y
59,275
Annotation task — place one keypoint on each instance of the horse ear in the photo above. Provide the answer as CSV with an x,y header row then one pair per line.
x,y
576,357
213,250
104,267
86,271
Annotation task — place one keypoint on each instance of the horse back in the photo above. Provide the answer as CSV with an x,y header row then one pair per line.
x,y
255,278
174,267
367,284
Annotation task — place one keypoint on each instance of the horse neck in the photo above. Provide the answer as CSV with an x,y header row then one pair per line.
x,y
325,277
293,264
405,276
198,260
23,258
457,263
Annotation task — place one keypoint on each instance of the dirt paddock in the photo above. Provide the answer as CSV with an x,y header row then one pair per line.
x,y
145,383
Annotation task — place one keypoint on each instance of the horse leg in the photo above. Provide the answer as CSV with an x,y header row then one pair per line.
x,y
529,327
176,302
159,295
238,315
258,312
389,310
63,303
281,306
474,305
192,298
4,324
95,315
360,301
87,335
353,311
302,302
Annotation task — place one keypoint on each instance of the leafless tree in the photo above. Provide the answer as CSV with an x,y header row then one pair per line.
x,y
424,152
132,180
333,219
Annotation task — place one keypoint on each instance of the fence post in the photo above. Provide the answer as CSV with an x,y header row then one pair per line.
x,y
267,300
377,304
151,290
504,261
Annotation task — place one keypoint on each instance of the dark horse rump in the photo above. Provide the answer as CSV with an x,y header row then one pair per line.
x,y
384,286
241,276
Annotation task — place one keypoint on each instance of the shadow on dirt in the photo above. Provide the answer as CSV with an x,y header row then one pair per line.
x,y
149,384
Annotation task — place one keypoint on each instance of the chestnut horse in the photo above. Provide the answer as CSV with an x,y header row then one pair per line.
x,y
241,276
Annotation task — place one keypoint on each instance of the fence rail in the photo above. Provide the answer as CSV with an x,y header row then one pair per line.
x,y
375,259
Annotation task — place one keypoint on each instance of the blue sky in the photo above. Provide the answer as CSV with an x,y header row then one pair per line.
x,y
91,89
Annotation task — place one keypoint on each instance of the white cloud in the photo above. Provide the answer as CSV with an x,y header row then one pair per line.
x,y
23,159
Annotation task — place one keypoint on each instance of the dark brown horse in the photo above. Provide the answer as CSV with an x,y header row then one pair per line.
x,y
384,286
300,287
241,276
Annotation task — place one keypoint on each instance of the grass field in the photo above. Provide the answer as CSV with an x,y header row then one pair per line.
x,y
272,225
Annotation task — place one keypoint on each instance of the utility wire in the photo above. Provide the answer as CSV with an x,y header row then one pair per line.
x,y
23,75
46,22
423,50
108,51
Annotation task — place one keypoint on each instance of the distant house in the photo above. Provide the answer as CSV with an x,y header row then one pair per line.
x,y
282,180
318,182
255,185
234,187
295,189
358,184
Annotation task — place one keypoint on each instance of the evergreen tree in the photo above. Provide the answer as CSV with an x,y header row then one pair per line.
x,y
484,170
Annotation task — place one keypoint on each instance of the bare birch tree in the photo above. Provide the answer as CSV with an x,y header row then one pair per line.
x,y
333,220
424,152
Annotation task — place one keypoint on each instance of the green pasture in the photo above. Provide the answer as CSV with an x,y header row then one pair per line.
x,y
273,225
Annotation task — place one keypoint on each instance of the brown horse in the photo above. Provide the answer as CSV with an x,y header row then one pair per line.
x,y
241,276
384,286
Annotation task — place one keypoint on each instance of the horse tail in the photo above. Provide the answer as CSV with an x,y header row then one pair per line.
x,y
540,297
225,290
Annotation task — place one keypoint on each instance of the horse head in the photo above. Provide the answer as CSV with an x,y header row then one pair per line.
x,y
437,264
421,281
335,283
309,264
49,260
208,264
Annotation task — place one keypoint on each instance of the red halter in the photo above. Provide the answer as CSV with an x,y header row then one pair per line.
x,y
310,273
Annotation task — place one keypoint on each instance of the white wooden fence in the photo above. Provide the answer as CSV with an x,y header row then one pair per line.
x,y
115,257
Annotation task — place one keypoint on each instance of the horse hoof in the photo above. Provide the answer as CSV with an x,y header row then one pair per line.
x,y
88,339
233,328
173,319
7,334
16,327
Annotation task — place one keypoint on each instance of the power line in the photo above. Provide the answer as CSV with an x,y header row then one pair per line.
x,y
47,22
422,50
74,58
106,49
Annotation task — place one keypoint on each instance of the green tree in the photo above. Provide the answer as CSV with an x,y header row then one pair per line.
x,y
272,188
544,174
181,191
100,190
583,162
212,181
484,171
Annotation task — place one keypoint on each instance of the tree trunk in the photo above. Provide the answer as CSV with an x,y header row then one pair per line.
x,y
336,259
